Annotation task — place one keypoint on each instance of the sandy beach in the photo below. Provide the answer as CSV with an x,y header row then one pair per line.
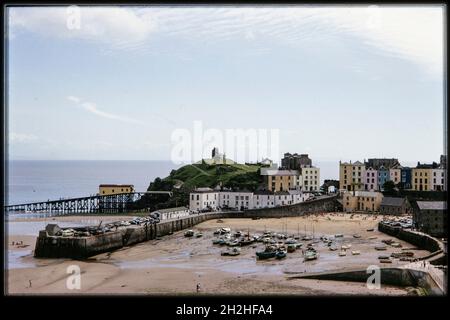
x,y
176,264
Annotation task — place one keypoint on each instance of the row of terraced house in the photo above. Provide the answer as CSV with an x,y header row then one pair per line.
x,y
371,175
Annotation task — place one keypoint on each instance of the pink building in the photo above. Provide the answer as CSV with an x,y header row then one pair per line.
x,y
371,179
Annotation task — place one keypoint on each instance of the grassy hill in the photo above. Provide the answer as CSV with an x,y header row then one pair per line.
x,y
183,180
188,177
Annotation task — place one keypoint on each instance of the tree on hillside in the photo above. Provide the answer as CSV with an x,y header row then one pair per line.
x,y
389,187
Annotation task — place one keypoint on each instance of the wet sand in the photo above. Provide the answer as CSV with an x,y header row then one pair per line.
x,y
175,264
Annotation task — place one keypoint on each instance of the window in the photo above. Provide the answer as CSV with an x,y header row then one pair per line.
x,y
122,189
198,197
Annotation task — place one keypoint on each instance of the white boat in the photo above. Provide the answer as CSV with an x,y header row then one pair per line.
x,y
189,233
342,253
355,253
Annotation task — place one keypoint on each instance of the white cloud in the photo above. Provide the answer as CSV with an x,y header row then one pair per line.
x,y
73,99
410,32
92,108
21,137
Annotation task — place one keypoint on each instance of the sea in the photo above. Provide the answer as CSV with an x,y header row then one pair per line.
x,y
42,180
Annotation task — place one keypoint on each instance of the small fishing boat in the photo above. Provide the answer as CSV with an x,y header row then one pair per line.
x,y
290,241
356,236
342,253
306,238
380,248
355,253
216,241
268,253
372,238
233,243
339,235
280,254
291,247
387,241
383,257
385,260
234,252
199,235
333,248
189,233
237,234
245,242
345,247
370,230
298,245
396,245
311,255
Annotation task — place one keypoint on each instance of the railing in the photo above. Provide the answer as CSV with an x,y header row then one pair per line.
x,y
113,203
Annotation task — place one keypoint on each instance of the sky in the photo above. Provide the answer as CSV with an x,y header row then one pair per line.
x,y
339,83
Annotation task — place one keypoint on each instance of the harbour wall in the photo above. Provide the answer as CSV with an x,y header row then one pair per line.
x,y
83,247
328,204
421,240
401,277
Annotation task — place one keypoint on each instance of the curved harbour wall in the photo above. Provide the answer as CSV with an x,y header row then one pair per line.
x,y
421,240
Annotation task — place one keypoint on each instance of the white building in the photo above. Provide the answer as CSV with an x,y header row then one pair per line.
x,y
309,179
203,198
438,179
235,199
209,199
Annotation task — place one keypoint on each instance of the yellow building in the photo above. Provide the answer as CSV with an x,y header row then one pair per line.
x,y
351,176
421,179
280,180
367,201
107,189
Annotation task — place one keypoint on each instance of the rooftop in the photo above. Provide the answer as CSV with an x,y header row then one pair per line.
x,y
276,172
116,185
392,201
431,205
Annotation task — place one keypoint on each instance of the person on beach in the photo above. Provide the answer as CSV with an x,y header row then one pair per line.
x,y
30,283
198,287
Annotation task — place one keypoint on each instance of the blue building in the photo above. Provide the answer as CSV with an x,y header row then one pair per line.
x,y
383,176
406,174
